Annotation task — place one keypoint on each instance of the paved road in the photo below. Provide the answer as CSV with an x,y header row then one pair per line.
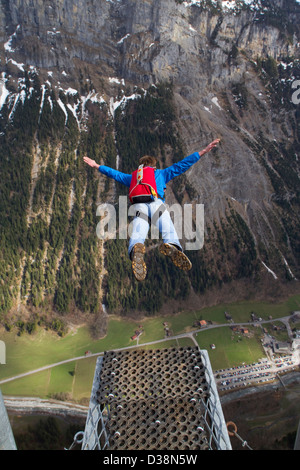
x,y
183,335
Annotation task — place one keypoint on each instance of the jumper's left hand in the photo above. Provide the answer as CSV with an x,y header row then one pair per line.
x,y
210,146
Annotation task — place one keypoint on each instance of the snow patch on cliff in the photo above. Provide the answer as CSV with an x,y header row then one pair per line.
x,y
226,4
4,93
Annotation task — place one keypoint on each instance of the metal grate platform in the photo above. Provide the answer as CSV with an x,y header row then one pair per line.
x,y
155,400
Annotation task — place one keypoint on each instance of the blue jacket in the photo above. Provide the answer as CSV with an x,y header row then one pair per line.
x,y
162,177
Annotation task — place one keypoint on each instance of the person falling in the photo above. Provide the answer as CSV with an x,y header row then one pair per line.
x,y
147,187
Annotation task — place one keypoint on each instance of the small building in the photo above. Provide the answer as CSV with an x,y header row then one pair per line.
x,y
282,348
227,316
136,335
202,323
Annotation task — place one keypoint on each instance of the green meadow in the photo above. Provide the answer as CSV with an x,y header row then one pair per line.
x,y
73,380
231,349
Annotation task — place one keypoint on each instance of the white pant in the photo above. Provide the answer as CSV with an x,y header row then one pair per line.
x,y
161,221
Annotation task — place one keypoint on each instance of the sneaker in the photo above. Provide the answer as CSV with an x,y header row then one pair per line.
x,y
138,264
177,257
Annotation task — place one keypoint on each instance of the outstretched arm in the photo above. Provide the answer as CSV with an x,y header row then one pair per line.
x,y
180,167
118,176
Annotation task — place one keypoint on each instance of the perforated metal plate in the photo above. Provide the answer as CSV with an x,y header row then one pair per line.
x,y
141,374
155,400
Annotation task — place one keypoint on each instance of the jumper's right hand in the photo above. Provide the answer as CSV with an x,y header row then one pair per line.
x,y
91,162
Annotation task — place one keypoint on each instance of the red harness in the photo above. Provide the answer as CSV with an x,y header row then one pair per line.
x,y
143,185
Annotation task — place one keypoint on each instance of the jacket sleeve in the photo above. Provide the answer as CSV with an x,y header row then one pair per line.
x,y
118,176
180,167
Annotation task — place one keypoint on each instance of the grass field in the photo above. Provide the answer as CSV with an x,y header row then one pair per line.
x,y
231,350
74,379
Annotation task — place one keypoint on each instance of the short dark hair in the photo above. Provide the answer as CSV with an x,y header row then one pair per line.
x,y
148,160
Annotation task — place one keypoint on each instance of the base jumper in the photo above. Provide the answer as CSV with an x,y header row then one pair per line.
x,y
147,187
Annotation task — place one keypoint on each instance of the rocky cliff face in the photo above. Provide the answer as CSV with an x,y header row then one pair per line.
x,y
231,66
